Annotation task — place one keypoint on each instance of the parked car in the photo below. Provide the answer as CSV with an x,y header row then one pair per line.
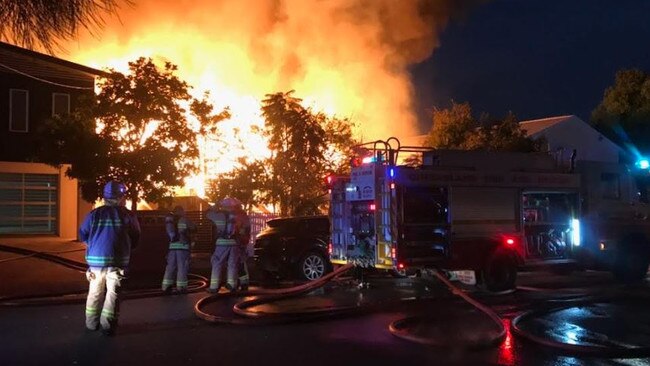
x,y
294,247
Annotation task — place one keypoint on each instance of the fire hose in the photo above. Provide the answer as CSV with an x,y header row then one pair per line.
x,y
402,328
611,351
399,328
196,283
271,295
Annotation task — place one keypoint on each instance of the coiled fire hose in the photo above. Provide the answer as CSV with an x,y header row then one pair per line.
x,y
268,295
247,317
400,328
612,351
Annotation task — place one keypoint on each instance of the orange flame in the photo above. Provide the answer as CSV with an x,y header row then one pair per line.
x,y
343,57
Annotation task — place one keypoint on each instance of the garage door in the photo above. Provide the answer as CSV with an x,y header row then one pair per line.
x,y
28,203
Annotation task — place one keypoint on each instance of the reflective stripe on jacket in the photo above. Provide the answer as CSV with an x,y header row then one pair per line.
x,y
180,232
224,227
110,232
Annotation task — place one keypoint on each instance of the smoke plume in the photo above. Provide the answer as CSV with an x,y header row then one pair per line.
x,y
345,57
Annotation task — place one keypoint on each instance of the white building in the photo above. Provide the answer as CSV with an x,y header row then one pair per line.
x,y
566,133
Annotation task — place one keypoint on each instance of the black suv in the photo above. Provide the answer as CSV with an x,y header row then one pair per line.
x,y
294,247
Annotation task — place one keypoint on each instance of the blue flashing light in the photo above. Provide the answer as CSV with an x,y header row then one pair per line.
x,y
643,164
392,172
575,232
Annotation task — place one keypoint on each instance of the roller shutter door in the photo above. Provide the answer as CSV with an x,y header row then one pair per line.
x,y
28,203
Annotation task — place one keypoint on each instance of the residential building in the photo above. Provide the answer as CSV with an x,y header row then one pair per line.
x,y
564,134
37,198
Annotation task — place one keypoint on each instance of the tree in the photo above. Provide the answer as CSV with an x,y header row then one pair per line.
x,y
142,136
451,127
503,135
41,22
305,147
456,128
624,113
247,183
72,139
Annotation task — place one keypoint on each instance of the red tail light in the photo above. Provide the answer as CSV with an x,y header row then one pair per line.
x,y
400,266
330,249
509,241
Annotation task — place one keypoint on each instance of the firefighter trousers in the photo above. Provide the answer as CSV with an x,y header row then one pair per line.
x,y
244,278
178,265
224,254
104,286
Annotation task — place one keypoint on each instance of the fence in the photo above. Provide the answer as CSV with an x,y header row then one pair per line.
x,y
258,222
155,220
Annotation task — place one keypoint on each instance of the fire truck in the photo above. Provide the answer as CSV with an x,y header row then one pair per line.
x,y
484,215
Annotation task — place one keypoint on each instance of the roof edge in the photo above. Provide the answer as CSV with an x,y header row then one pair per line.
x,y
549,118
52,59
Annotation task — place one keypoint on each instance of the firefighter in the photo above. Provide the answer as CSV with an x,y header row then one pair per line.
x,y
226,249
110,232
180,231
243,224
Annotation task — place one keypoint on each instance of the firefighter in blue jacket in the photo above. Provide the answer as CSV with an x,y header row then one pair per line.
x,y
226,248
110,232
180,230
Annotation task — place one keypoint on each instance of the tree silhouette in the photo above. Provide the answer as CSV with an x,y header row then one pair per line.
x,y
134,130
30,23
456,128
305,147
624,113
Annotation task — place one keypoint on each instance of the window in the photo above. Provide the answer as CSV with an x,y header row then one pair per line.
x,y
60,104
18,110
611,186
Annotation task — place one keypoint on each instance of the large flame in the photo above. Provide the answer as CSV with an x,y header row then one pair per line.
x,y
345,57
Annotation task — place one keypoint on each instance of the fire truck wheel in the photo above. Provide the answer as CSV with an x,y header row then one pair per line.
x,y
631,264
499,273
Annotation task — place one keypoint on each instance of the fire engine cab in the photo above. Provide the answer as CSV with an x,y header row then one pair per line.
x,y
482,215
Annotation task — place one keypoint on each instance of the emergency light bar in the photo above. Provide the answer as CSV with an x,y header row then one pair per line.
x,y
643,164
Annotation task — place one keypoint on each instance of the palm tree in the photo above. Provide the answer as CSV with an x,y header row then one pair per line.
x,y
32,23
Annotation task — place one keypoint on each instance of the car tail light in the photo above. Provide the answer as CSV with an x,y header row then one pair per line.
x,y
509,241
330,249
401,266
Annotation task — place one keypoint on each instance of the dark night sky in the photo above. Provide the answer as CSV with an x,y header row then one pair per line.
x,y
537,58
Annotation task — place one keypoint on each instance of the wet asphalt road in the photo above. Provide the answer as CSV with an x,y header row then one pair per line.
x,y
165,331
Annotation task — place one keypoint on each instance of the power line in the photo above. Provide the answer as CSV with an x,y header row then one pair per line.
x,y
47,81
